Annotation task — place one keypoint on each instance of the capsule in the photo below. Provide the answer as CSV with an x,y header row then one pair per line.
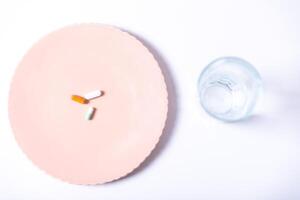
x,y
90,113
79,99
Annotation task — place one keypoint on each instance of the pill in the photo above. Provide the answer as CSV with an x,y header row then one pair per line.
x,y
93,94
79,99
90,113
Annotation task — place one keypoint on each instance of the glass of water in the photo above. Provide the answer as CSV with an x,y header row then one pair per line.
x,y
229,88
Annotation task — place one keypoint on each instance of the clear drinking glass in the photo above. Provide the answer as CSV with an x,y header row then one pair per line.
x,y
229,88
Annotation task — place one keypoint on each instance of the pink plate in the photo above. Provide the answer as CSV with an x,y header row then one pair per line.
x,y
51,128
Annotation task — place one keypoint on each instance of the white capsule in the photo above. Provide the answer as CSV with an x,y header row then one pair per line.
x,y
90,113
93,95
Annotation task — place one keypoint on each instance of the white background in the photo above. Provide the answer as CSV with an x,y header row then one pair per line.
x,y
198,157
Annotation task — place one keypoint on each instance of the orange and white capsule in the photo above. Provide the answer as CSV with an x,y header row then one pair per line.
x,y
79,99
